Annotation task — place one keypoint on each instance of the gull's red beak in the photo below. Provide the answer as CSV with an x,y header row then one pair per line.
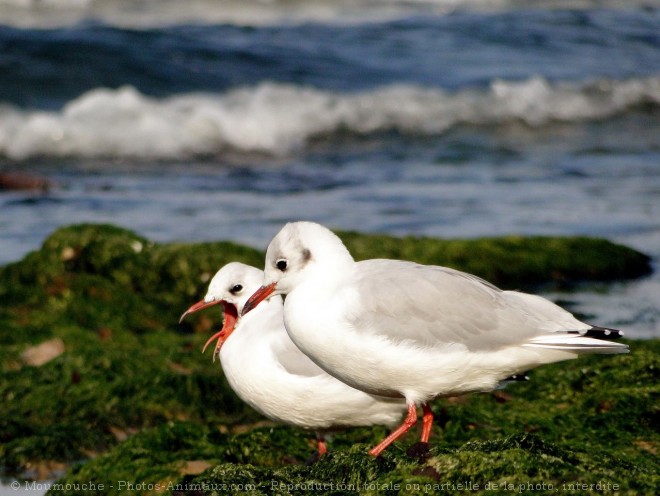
x,y
200,305
231,316
259,295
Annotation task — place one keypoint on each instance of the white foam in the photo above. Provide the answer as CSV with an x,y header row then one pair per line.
x,y
153,13
279,119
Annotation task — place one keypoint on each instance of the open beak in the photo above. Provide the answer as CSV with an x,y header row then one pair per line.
x,y
231,316
259,295
200,305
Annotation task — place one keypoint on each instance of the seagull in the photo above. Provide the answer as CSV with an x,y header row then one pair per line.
x,y
400,329
269,373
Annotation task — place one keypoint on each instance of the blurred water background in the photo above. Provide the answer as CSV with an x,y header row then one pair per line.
x,y
205,120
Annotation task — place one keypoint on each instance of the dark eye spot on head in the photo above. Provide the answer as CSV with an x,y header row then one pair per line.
x,y
237,288
306,255
281,265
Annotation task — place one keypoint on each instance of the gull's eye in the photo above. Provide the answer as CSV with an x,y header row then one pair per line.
x,y
237,288
282,264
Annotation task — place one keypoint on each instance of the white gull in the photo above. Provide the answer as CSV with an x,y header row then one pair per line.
x,y
400,329
269,373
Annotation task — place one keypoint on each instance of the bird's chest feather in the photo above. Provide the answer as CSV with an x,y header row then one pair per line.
x,y
319,327
309,322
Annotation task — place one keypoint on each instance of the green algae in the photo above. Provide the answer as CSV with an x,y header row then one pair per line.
x,y
154,457
114,299
132,395
511,261
567,429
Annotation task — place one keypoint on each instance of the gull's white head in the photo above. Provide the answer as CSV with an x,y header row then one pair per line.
x,y
231,286
234,283
301,250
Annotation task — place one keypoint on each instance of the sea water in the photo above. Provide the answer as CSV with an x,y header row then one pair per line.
x,y
188,121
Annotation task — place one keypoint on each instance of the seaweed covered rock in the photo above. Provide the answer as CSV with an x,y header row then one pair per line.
x,y
102,275
113,299
511,261
93,358
581,426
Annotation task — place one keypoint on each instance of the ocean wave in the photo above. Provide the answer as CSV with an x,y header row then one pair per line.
x,y
280,119
152,13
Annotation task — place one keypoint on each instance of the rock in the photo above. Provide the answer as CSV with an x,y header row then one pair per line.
x,y
115,299
23,181
195,467
38,355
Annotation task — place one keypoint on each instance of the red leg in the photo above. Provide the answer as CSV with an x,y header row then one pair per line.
x,y
408,422
427,422
320,442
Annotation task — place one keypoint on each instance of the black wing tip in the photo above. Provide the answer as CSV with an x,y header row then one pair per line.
x,y
517,378
604,333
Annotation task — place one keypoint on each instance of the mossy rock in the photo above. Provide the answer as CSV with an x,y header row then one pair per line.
x,y
591,421
113,300
511,261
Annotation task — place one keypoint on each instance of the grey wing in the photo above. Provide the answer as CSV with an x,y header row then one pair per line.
x,y
293,360
438,306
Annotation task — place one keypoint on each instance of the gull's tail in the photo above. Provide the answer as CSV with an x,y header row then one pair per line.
x,y
593,340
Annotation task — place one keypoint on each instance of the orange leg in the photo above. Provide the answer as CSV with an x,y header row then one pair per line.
x,y
427,422
408,422
323,449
